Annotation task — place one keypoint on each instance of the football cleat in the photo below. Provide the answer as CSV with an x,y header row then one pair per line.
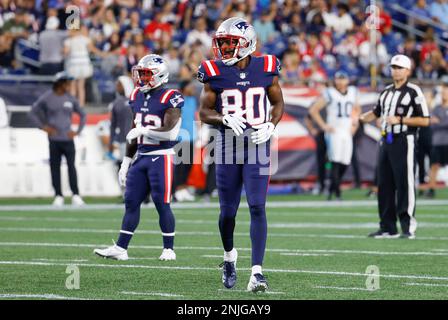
x,y
229,273
112,252
58,201
167,255
257,283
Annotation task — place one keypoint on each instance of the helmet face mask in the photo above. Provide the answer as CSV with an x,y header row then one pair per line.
x,y
150,72
235,39
228,46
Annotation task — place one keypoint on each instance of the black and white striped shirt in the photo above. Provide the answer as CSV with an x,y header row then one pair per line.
x,y
407,101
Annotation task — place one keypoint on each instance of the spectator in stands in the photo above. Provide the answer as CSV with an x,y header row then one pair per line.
x,y
6,51
17,27
409,49
51,44
110,24
159,32
200,37
192,59
426,71
134,25
113,62
173,61
348,46
421,12
290,67
77,64
339,22
316,25
52,113
292,27
428,45
264,27
439,11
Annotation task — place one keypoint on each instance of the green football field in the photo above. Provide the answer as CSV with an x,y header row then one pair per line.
x,y
315,250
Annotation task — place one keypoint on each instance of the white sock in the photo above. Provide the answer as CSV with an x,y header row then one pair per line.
x,y
230,256
256,269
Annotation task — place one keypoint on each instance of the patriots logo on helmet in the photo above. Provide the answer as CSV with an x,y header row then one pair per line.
x,y
176,100
157,60
242,26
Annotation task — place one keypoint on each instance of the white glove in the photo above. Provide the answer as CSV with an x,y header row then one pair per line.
x,y
263,132
136,132
123,172
235,121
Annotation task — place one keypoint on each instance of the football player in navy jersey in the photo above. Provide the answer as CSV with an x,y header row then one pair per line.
x,y
157,120
241,95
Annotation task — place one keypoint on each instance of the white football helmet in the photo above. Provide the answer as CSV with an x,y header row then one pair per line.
x,y
234,40
150,72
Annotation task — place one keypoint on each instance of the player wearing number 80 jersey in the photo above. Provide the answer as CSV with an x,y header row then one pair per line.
x,y
239,90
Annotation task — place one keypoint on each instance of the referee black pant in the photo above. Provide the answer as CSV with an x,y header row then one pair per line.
x,y
57,150
396,186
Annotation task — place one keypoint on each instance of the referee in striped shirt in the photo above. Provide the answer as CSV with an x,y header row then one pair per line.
x,y
402,109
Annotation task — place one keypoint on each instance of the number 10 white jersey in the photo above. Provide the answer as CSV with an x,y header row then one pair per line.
x,y
339,108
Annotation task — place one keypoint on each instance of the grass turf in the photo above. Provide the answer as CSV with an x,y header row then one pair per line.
x,y
312,253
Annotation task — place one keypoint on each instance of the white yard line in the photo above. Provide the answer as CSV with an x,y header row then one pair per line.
x,y
221,256
189,268
200,233
38,296
160,294
426,284
343,288
248,292
61,260
279,250
381,253
215,205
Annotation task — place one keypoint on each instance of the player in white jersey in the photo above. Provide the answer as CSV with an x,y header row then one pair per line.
x,y
341,103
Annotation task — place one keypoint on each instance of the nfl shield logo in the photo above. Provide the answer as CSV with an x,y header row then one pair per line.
x,y
242,75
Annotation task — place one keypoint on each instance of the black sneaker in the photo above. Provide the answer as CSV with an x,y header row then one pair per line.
x,y
228,274
407,235
380,234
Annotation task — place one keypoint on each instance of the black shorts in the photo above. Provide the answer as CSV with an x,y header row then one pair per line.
x,y
439,155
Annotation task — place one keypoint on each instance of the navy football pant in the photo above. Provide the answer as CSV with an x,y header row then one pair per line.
x,y
152,174
230,179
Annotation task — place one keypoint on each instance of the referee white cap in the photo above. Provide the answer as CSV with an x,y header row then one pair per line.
x,y
401,60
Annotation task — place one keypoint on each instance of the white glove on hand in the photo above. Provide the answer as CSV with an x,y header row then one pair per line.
x,y
263,132
136,132
123,172
235,121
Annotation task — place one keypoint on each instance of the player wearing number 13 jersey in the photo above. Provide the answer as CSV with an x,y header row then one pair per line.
x,y
241,96
156,126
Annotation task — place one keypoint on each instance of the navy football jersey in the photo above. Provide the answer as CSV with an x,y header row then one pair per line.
x,y
149,109
242,89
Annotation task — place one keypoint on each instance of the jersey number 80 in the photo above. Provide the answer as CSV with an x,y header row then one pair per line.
x,y
234,100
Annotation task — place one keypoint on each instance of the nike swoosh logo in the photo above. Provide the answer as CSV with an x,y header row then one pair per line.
x,y
155,159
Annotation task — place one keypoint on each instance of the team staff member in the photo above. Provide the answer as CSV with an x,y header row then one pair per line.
x,y
402,108
439,152
52,113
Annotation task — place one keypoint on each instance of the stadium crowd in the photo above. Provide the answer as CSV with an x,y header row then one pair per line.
x,y
313,38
